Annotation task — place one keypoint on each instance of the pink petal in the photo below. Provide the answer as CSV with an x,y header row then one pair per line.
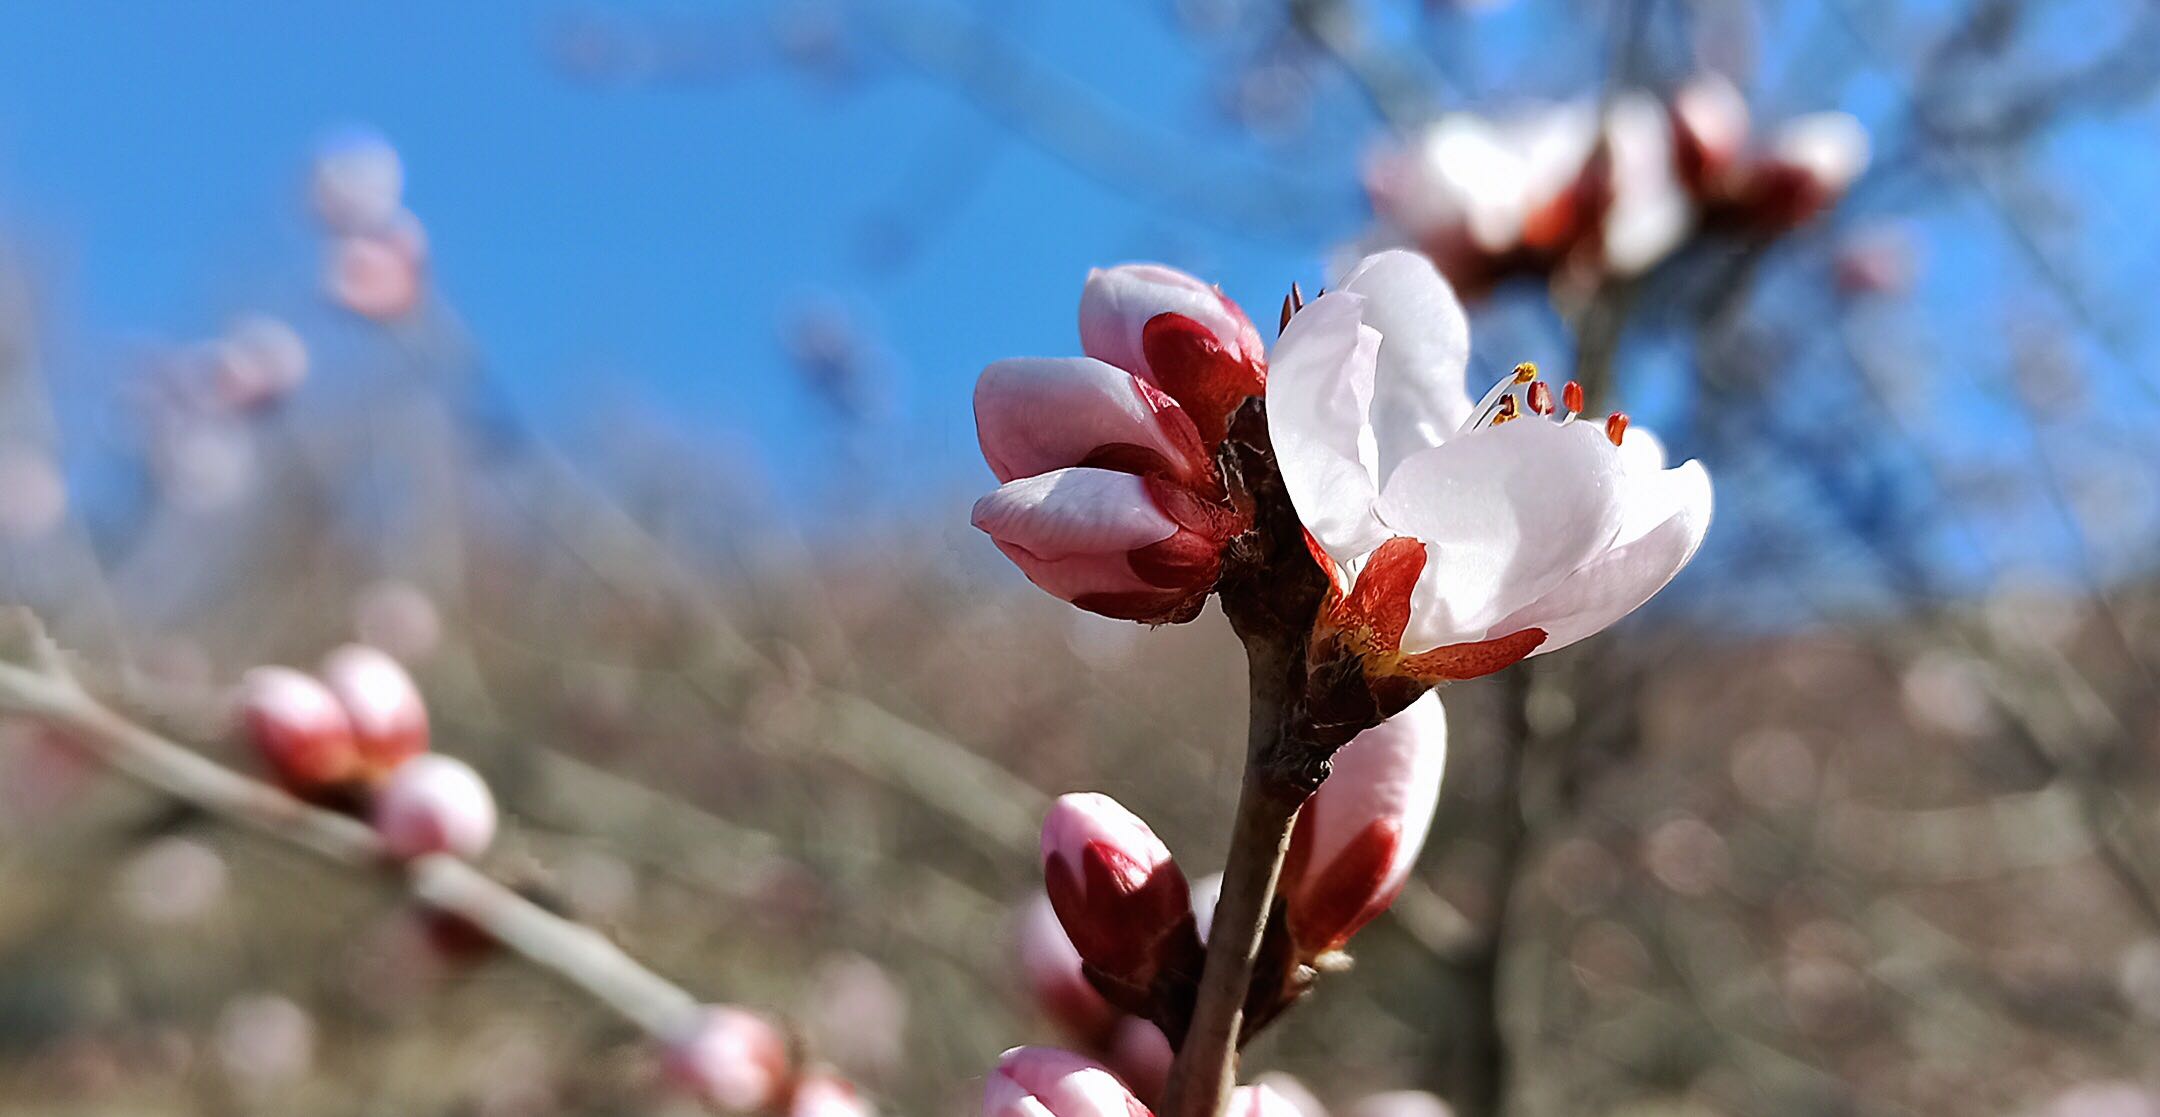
x,y
1117,304
1320,393
1391,771
1506,513
1417,394
1047,1082
1067,513
1038,414
1831,147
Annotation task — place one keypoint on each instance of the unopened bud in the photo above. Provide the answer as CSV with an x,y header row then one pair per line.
x,y
434,804
299,728
1117,891
1047,1082
730,1058
389,718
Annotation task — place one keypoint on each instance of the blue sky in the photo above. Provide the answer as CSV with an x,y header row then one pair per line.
x,y
633,247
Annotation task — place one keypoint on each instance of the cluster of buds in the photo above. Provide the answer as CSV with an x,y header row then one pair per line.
x,y
737,1061
378,252
1574,191
1115,960
1111,493
354,737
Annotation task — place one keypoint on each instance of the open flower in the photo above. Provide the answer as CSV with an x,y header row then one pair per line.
x,y
1109,495
1459,536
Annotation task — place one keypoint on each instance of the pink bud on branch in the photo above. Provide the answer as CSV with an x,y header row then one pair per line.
x,y
1047,1082
435,804
389,719
1121,899
299,728
730,1058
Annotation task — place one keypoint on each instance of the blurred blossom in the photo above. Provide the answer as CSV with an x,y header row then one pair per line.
x,y
1649,213
1141,1056
260,361
857,1014
1400,1103
2137,974
33,495
204,464
1051,967
172,880
398,617
598,886
1607,957
2104,1099
1881,260
434,804
826,1095
1292,1098
1581,875
731,1058
1948,693
265,1040
299,728
1262,1100
358,181
375,276
1774,769
1826,996
389,717
1687,855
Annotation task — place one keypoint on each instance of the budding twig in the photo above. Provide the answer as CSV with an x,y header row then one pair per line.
x,y
41,687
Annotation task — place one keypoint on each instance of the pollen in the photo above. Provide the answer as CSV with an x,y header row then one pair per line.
x,y
1508,411
1616,426
1526,372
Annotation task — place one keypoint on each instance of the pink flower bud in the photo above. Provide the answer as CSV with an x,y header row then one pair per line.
x,y
435,804
299,728
389,719
1037,414
1118,893
1133,548
1710,126
261,361
1141,1056
730,1058
1051,966
1261,1100
1357,837
1177,333
374,276
1401,1103
1811,164
358,181
1046,1082
824,1095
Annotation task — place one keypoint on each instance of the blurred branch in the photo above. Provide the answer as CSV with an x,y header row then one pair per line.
x,y
39,685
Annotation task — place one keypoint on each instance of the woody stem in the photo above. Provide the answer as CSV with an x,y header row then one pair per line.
x,y
1206,1067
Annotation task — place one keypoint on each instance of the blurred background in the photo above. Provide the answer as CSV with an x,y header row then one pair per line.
x,y
610,365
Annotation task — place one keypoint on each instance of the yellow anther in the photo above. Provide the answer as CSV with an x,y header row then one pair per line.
x,y
1526,372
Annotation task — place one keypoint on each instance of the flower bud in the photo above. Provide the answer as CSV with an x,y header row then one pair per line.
x,y
299,728
1178,334
389,719
731,1058
1118,893
1037,414
1133,548
1710,126
1261,1100
434,804
1357,837
1811,164
1141,1055
1051,967
358,181
824,1095
1047,1082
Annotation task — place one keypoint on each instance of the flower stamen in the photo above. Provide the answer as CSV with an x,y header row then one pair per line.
x,y
1616,426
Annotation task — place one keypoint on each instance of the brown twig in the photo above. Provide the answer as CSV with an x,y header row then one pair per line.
x,y
44,689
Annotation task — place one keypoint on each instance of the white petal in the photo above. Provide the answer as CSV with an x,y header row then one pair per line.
x,y
1035,414
1117,304
1665,515
1069,512
1650,211
1831,146
1418,398
1505,513
1320,385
